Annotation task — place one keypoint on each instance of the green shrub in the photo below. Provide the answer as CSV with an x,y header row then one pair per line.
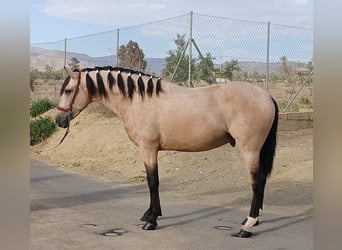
x,y
294,107
40,107
305,101
40,129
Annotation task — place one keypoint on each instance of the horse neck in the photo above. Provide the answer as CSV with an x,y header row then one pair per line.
x,y
118,100
114,101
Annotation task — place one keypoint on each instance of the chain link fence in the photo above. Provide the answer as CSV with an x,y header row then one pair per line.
x,y
276,57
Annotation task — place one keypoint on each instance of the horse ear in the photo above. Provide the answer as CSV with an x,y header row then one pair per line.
x,y
73,75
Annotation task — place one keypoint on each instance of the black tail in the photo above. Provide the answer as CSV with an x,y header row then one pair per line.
x,y
268,149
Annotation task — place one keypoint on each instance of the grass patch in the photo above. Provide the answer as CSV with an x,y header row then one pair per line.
x,y
41,128
41,106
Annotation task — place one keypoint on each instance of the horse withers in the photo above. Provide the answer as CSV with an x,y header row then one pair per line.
x,y
160,115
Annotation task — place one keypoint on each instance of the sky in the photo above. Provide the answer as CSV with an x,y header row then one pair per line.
x,y
52,20
77,20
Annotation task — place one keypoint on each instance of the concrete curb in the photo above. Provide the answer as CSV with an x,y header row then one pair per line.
x,y
295,121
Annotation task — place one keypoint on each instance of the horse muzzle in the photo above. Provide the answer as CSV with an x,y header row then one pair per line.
x,y
63,120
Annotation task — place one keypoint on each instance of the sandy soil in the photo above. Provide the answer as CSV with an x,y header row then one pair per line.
x,y
98,146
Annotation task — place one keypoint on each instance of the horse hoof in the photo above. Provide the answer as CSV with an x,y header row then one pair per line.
x,y
242,234
245,220
149,226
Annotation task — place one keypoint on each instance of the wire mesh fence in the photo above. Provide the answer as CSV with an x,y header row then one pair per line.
x,y
276,57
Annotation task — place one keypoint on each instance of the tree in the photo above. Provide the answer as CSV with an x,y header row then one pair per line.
x,y
131,56
229,69
182,73
75,63
255,76
34,75
49,71
204,69
309,66
286,71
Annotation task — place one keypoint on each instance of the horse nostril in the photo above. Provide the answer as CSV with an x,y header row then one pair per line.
x,y
65,124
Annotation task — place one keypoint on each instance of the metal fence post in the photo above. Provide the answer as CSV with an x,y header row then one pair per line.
x,y
117,47
268,55
190,50
65,52
65,63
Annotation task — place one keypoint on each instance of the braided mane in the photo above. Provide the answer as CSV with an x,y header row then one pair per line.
x,y
127,86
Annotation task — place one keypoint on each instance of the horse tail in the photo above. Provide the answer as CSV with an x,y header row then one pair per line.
x,y
268,149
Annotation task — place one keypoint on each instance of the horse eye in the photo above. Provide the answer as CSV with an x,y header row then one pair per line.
x,y
68,91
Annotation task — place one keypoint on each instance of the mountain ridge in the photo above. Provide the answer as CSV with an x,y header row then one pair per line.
x,y
40,57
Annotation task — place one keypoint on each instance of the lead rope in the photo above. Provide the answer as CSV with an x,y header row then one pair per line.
x,y
66,131
65,135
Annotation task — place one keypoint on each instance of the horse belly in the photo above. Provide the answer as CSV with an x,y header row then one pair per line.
x,y
195,139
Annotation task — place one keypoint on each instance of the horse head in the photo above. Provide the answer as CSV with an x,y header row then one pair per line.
x,y
73,98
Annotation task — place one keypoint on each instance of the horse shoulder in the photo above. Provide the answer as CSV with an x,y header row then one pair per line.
x,y
141,125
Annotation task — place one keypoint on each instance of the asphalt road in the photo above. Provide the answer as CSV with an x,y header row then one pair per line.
x,y
70,211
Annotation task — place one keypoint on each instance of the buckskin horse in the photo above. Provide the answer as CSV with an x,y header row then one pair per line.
x,y
160,115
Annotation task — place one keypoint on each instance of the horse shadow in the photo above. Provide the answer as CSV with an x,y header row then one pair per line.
x,y
268,222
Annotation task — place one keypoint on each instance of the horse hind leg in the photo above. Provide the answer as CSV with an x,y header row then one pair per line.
x,y
258,180
259,164
258,187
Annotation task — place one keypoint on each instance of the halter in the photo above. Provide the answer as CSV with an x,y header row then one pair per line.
x,y
69,109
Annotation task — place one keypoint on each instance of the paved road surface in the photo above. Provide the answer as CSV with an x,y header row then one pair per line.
x,y
70,211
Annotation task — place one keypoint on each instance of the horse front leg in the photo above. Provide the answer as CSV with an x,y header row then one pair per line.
x,y
152,213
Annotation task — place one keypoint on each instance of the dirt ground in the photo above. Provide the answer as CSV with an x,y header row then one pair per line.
x,y
98,146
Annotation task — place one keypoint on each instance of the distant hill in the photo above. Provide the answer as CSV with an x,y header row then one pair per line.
x,y
41,57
